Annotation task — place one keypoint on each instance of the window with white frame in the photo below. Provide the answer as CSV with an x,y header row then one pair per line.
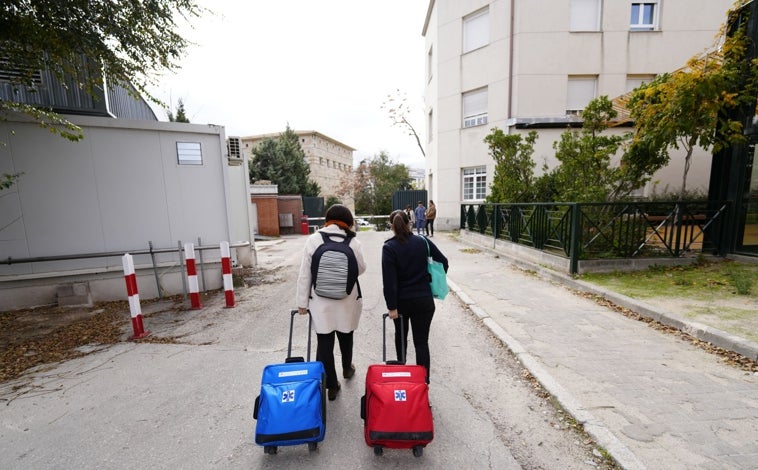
x,y
644,15
189,153
585,15
475,183
476,30
634,81
475,108
580,91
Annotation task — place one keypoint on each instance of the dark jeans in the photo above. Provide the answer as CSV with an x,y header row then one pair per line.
x,y
325,354
419,313
430,226
420,225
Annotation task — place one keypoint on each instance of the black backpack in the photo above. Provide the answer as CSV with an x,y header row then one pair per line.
x,y
334,268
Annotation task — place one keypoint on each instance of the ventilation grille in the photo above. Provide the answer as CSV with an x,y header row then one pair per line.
x,y
233,148
10,74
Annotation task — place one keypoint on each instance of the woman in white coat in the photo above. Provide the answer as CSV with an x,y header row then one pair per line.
x,y
332,316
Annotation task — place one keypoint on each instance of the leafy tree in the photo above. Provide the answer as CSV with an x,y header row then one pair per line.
x,y
375,181
585,173
398,109
81,40
685,109
332,200
514,167
282,161
180,114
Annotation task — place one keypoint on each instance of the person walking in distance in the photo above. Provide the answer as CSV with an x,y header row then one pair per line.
x,y
333,312
407,292
420,213
411,215
431,213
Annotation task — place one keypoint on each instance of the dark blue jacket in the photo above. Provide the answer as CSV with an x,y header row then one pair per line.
x,y
404,270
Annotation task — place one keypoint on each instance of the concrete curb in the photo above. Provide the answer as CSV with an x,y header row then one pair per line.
x,y
624,457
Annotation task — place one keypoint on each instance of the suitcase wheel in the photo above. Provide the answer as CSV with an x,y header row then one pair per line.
x,y
312,446
378,450
418,451
270,450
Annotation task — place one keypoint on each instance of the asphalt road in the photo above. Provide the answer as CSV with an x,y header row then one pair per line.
x,y
188,404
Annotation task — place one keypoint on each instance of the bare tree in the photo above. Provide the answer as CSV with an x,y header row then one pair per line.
x,y
398,109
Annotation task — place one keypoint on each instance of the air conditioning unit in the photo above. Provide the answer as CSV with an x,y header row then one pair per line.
x,y
234,150
574,112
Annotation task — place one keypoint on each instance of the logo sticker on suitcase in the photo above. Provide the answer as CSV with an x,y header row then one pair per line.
x,y
400,395
288,396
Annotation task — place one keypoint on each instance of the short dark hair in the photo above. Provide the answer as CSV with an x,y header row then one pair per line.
x,y
338,212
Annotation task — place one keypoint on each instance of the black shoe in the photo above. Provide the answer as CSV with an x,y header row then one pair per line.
x,y
332,392
349,373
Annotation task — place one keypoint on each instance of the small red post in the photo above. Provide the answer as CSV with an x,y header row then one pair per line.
x,y
134,304
226,270
304,224
194,287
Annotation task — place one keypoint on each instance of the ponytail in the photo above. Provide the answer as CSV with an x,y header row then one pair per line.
x,y
401,225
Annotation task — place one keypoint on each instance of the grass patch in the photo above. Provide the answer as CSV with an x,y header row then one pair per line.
x,y
701,281
720,294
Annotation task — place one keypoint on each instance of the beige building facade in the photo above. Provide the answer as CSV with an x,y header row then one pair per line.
x,y
330,160
522,65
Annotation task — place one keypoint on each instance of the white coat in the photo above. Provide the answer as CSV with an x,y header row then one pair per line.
x,y
329,314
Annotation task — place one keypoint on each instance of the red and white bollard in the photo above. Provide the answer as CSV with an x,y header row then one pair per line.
x,y
131,291
226,271
194,287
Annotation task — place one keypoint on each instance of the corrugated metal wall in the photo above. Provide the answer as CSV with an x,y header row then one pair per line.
x,y
400,199
69,98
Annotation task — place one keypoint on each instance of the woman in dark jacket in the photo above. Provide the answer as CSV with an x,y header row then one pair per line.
x,y
406,285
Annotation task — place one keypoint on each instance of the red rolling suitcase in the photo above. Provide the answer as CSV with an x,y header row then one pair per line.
x,y
395,408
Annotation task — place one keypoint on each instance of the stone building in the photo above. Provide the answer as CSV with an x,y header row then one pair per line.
x,y
330,160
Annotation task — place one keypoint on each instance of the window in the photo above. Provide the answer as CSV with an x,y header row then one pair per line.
x,y
189,153
475,108
430,125
644,16
634,81
429,65
474,183
580,91
585,15
476,30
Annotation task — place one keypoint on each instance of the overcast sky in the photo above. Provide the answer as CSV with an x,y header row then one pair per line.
x,y
323,65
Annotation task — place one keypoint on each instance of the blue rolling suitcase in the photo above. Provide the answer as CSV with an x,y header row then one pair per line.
x,y
291,408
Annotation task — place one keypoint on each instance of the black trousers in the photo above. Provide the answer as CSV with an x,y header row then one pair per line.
x,y
430,226
418,313
325,354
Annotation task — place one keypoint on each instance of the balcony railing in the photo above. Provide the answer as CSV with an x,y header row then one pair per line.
x,y
603,230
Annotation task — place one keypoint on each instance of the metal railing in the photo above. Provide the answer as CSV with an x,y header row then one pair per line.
x,y
150,251
603,230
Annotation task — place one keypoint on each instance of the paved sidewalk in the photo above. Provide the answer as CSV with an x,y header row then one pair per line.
x,y
652,400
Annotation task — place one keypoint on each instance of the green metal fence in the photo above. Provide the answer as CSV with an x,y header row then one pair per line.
x,y
603,230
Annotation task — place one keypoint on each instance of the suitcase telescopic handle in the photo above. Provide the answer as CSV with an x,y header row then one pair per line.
x,y
292,327
401,359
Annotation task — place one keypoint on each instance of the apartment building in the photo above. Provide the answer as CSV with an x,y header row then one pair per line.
x,y
329,159
522,65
